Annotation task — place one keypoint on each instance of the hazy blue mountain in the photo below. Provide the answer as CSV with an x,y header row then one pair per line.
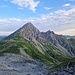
x,y
1,37
67,36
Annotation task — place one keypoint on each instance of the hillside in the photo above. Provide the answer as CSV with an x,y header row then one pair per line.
x,y
47,48
47,42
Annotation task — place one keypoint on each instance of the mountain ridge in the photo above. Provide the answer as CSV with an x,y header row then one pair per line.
x,y
31,33
46,47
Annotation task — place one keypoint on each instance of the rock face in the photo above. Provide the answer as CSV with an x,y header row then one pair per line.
x,y
63,71
33,51
58,40
17,64
31,33
54,38
28,31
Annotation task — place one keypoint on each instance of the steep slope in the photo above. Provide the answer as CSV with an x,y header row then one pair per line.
x,y
19,45
72,41
28,31
43,46
59,41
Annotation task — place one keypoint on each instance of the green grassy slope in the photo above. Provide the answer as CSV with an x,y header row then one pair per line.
x,y
14,46
69,62
72,41
52,54
56,53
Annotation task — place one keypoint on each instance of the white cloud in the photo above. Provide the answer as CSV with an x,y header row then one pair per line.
x,y
67,32
66,5
31,4
57,21
62,21
11,24
47,8
5,33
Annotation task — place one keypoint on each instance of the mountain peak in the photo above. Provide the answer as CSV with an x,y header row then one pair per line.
x,y
32,34
29,24
28,31
50,32
29,27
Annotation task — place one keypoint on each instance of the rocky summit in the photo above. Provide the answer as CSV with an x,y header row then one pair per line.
x,y
28,51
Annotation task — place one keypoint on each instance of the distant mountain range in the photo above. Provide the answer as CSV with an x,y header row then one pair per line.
x,y
67,36
1,37
47,47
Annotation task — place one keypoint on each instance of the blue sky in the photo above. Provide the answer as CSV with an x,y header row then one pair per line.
x,y
54,15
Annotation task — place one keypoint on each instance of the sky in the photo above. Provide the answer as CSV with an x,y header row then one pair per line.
x,y
54,15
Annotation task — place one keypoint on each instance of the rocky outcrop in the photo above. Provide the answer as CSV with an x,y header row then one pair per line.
x,y
32,34
17,64
36,46
63,71
58,40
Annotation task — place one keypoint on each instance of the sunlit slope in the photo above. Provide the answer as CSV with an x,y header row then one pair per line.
x,y
19,45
